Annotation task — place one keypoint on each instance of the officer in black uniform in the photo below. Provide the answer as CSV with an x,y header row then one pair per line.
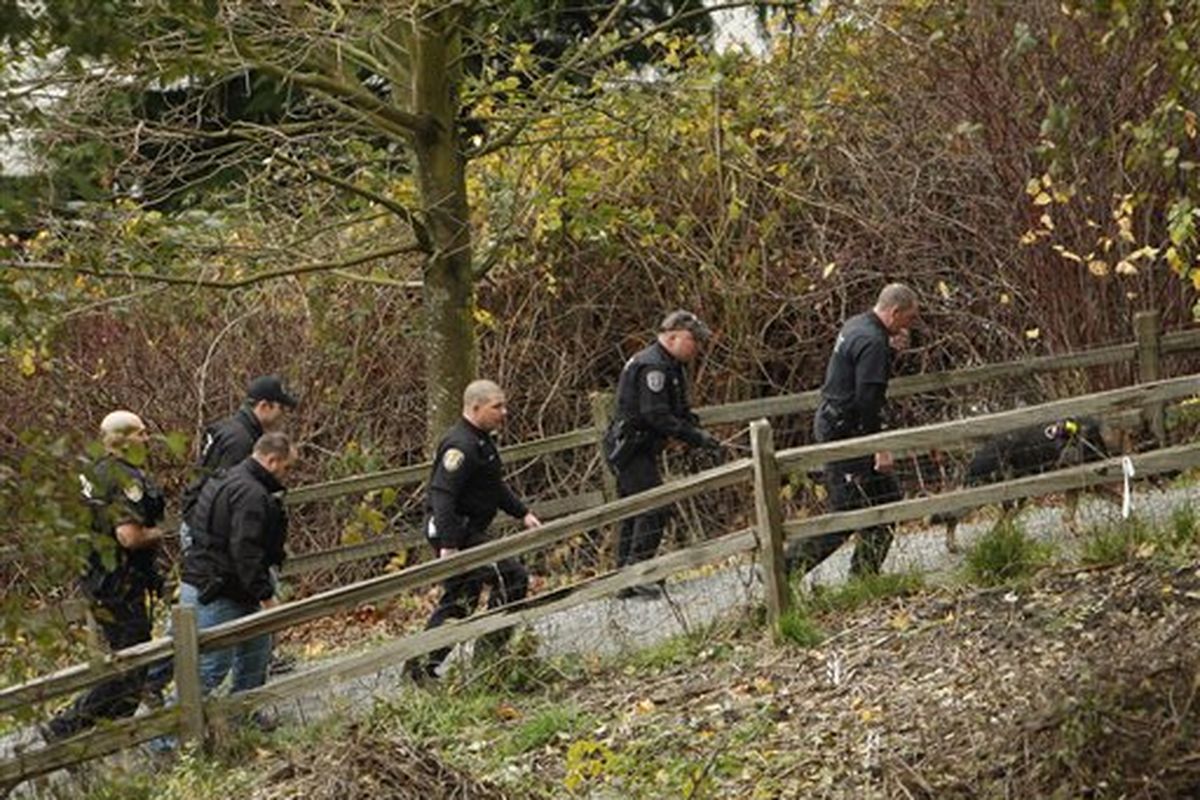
x,y
121,579
466,489
652,406
852,399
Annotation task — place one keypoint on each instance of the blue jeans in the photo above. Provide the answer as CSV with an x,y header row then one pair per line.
x,y
247,659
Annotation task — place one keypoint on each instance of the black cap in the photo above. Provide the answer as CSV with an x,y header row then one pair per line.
x,y
269,387
685,321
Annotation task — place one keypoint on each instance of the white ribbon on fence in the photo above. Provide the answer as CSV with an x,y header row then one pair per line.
x,y
1127,500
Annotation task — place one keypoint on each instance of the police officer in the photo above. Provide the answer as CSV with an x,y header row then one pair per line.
x,y
466,489
652,406
852,400
240,527
229,442
121,580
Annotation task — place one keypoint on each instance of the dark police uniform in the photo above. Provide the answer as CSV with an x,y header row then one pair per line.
x,y
466,489
120,584
852,399
652,406
226,444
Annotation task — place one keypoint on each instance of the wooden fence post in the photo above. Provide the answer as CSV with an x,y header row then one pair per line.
x,y
602,406
187,673
769,527
1147,327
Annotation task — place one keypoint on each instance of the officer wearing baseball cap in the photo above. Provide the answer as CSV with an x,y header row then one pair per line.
x,y
652,406
224,445
230,441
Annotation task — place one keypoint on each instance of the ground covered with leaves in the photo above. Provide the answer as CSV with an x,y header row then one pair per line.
x,y
1079,683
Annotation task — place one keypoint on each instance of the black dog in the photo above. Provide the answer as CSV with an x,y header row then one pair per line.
x,y
1030,451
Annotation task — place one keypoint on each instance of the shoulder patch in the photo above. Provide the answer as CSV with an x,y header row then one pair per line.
x,y
655,380
89,491
134,492
452,459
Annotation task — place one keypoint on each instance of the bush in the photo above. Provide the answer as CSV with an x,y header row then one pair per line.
x,y
1005,555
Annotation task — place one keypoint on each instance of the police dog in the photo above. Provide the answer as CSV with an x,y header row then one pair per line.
x,y
1031,451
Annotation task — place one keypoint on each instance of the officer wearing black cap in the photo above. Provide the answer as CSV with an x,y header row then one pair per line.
x,y
466,489
230,441
852,400
652,406
125,507
225,444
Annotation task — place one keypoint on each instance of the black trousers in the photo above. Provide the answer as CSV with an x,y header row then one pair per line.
x,y
640,536
507,581
851,484
125,622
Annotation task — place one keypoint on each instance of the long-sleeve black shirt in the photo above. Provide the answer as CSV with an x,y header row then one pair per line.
x,y
856,379
466,488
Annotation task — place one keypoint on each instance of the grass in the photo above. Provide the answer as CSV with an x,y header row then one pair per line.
x,y
546,726
1006,554
1120,541
796,627
860,591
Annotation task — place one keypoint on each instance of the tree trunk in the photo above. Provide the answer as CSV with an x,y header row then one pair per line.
x,y
441,183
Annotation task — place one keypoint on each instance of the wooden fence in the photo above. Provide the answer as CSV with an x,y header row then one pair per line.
x,y
1144,353
762,474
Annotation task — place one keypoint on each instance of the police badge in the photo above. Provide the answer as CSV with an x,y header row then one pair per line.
x,y
655,380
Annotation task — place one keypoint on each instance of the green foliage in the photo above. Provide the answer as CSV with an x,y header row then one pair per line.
x,y
1005,554
434,714
546,726
796,627
861,590
1120,541
1184,526
1116,542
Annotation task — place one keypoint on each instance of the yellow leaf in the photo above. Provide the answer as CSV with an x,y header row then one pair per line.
x,y
1005,299
829,268
484,317
1046,180
1032,333
1125,268
1047,223
1042,199
943,289
1033,187
900,621
507,711
644,706
28,365
1067,254
1029,237
1098,267
1196,279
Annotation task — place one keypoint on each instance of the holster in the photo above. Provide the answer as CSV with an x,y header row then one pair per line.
x,y
621,441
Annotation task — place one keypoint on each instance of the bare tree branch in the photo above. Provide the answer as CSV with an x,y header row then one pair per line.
x,y
179,280
400,210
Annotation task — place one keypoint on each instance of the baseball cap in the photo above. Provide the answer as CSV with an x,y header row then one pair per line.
x,y
681,320
269,387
